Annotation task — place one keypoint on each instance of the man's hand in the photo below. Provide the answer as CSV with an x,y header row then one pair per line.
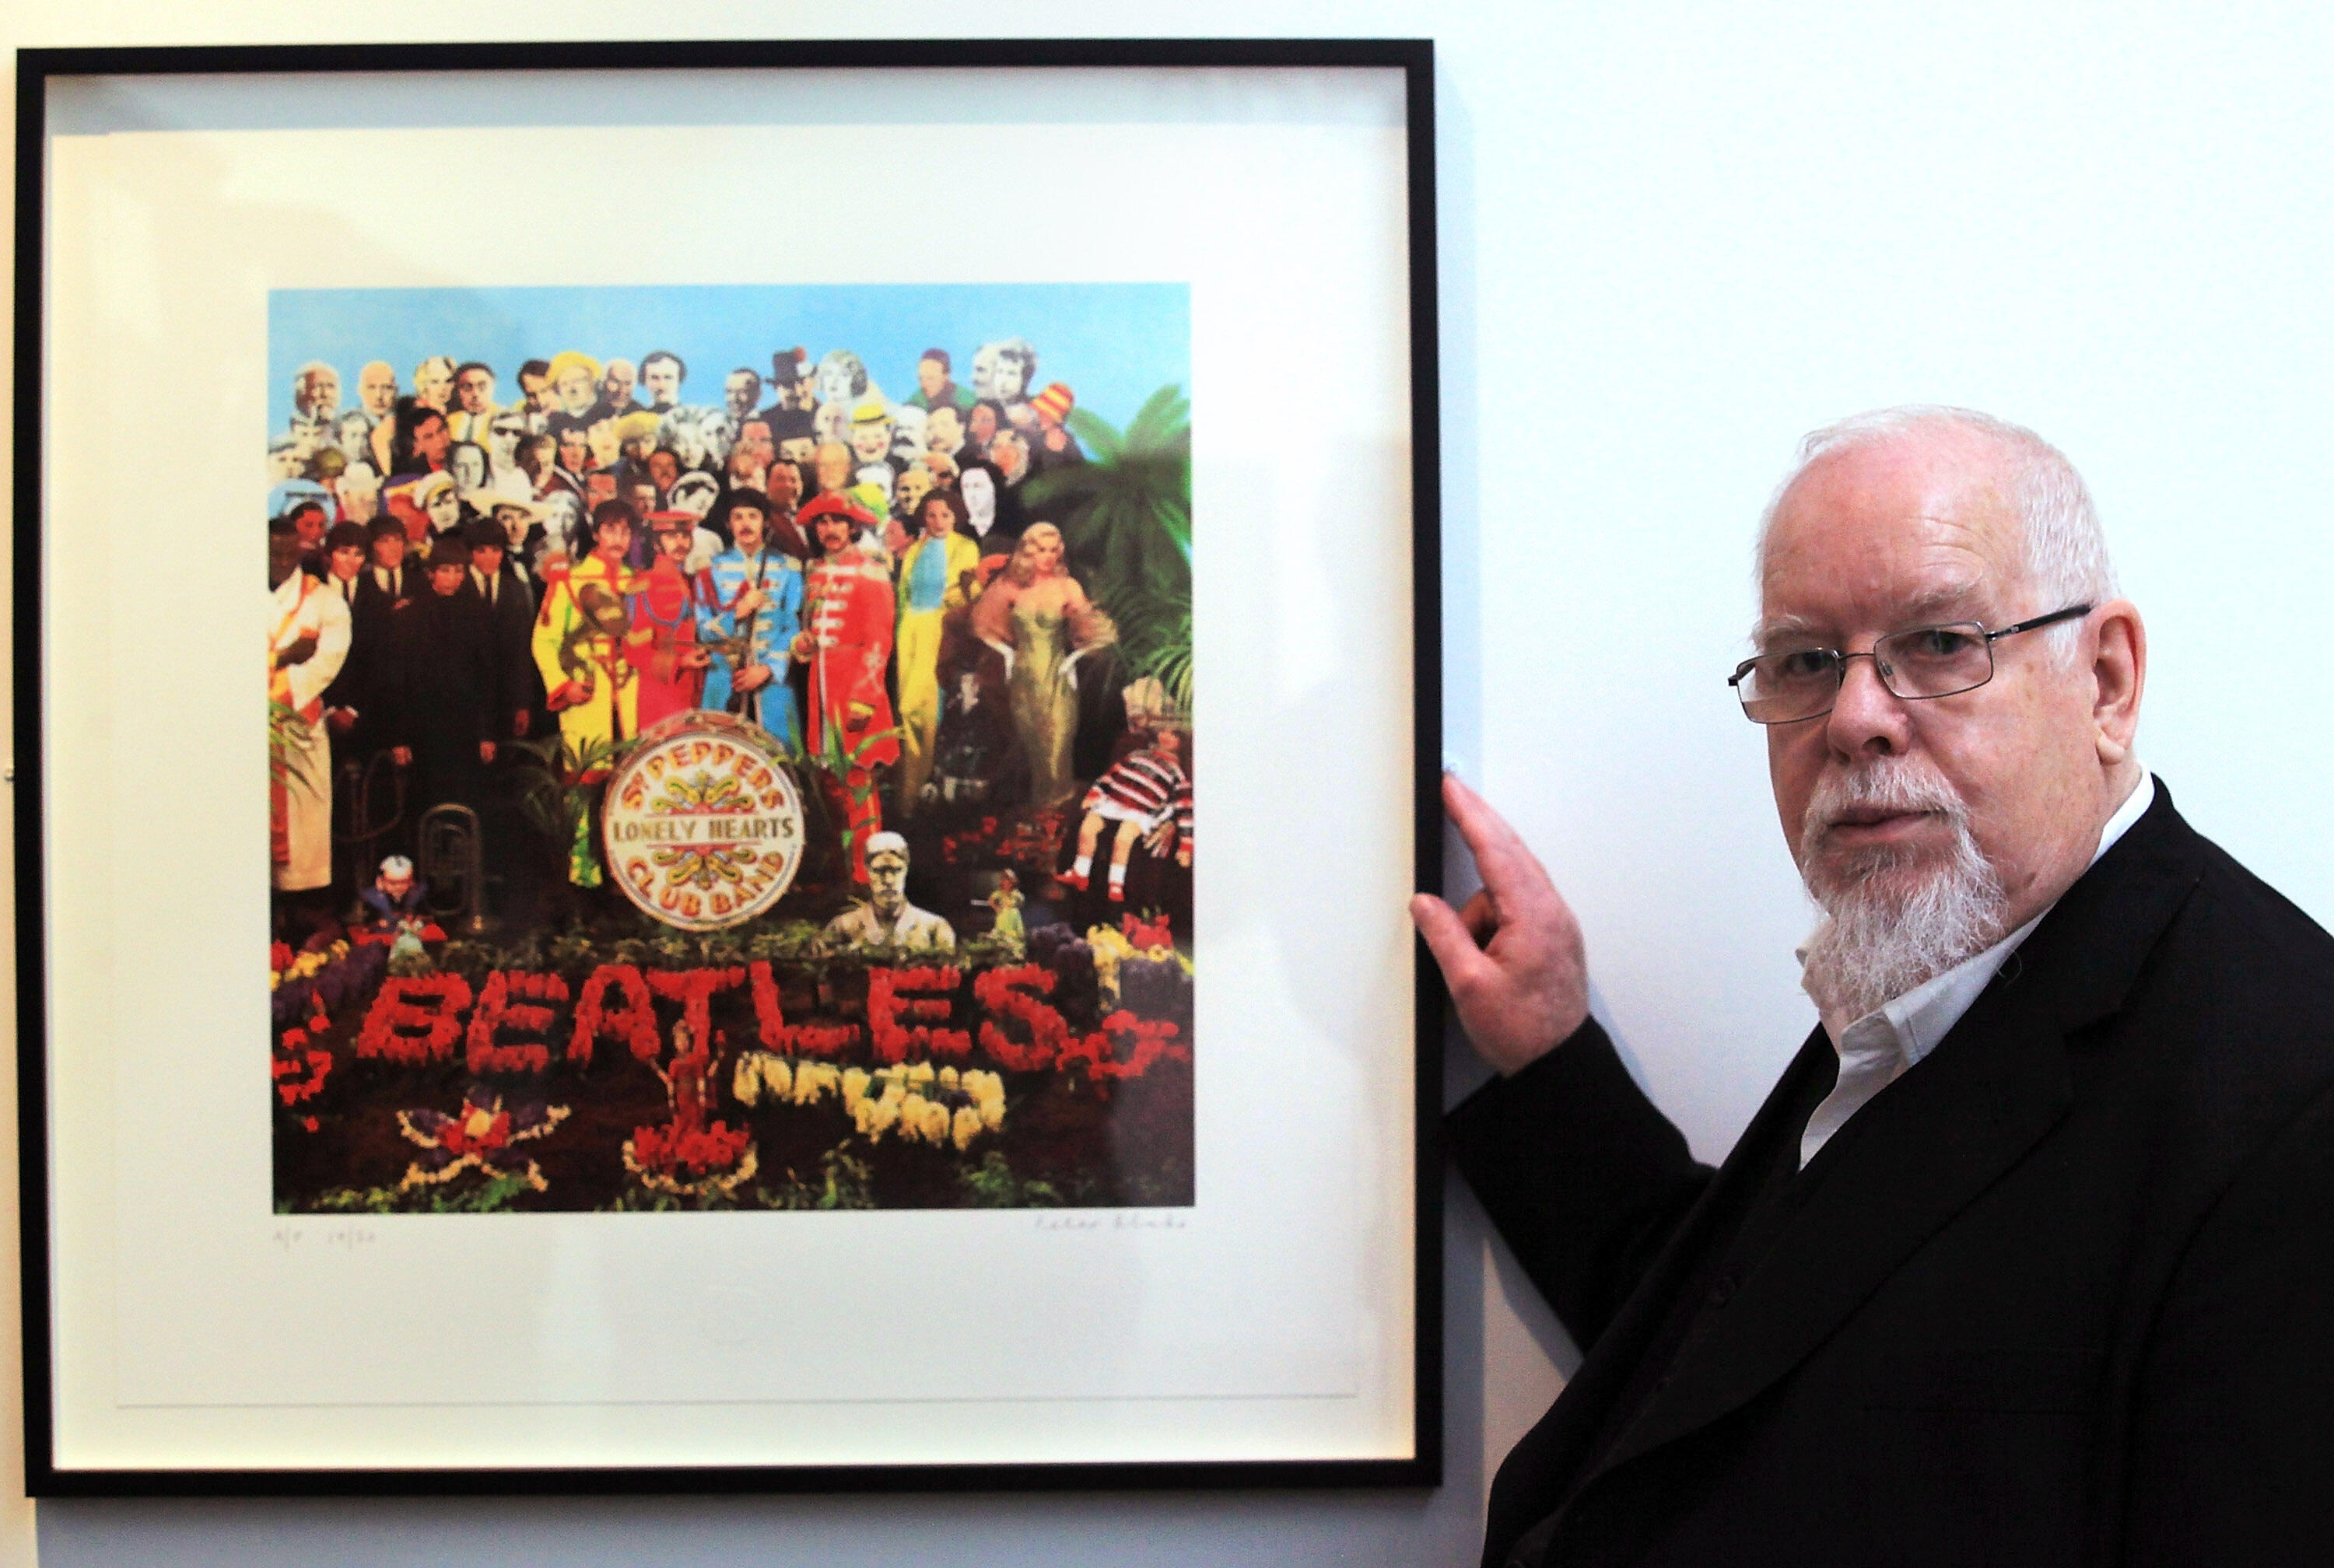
x,y
753,678
1513,957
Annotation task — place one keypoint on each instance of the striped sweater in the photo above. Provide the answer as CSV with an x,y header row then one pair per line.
x,y
1148,783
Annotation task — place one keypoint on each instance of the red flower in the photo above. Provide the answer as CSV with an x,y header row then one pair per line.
x,y
293,1057
1007,992
500,1006
669,1151
634,1023
793,1040
888,1003
1098,1051
457,1139
401,1029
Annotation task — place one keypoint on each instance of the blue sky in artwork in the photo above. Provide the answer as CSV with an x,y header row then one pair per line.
x,y
1114,345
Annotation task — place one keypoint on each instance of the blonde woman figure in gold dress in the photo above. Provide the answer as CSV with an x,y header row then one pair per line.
x,y
1039,618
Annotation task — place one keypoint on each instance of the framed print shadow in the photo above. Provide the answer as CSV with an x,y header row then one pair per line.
x,y
815,900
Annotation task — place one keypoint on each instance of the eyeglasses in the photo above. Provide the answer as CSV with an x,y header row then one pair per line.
x,y
1925,661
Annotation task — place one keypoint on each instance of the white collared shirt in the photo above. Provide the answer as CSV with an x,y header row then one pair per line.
x,y
1878,1048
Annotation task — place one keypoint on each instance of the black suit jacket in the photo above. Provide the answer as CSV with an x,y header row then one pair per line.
x,y
519,685
2062,1294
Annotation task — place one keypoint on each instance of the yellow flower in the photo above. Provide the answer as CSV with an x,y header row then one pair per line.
x,y
967,1127
777,1076
855,1087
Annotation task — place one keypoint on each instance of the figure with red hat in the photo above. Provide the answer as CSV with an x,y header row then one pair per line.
x,y
1056,447
846,640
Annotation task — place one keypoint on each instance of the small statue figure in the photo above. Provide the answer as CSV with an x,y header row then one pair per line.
x,y
395,895
1006,902
887,919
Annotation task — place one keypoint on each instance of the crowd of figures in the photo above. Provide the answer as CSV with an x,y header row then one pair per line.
x,y
453,572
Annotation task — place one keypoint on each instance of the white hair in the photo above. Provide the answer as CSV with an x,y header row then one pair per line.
x,y
2066,550
1894,922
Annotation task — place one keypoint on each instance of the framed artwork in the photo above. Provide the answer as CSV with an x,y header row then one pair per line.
x,y
816,899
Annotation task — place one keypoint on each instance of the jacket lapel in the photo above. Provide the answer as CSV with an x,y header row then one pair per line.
x,y
1935,1140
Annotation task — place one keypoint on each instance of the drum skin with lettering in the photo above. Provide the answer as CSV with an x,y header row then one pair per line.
x,y
702,821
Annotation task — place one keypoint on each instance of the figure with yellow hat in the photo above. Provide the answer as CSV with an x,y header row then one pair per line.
x,y
575,382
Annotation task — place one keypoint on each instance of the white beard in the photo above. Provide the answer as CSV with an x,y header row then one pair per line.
x,y
1897,919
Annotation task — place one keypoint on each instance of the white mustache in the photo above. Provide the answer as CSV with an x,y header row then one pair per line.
x,y
1899,784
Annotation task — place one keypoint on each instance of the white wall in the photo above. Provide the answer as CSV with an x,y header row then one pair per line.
x,y
1674,239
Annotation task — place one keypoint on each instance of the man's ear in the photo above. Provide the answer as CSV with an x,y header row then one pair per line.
x,y
2119,671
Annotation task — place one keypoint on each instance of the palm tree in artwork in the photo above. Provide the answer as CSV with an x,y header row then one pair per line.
x,y
1126,517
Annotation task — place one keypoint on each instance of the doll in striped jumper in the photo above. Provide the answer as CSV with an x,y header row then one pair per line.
x,y
1148,794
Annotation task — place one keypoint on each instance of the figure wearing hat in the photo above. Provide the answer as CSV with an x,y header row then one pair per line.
x,y
1055,446
752,614
664,607
575,383
579,639
872,476
846,640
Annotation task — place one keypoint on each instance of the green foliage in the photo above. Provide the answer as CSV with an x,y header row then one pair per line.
x,y
850,768
490,1195
549,775
286,732
1126,517
846,1181
475,960
786,941
572,947
993,1185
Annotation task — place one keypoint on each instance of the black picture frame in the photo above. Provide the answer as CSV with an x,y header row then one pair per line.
x,y
34,780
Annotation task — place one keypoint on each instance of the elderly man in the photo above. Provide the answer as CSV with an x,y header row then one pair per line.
x,y
887,919
316,404
2026,1257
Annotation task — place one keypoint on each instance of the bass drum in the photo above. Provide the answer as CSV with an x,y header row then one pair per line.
x,y
702,822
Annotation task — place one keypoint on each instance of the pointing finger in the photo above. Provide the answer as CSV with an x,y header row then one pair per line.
x,y
1510,872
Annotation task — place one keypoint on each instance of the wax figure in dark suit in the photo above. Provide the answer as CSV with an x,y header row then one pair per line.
x,y
2052,1282
446,719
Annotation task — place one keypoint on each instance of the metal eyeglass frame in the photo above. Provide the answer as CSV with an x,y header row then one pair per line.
x,y
1840,661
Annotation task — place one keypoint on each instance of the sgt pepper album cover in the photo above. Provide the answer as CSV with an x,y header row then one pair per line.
x,y
730,747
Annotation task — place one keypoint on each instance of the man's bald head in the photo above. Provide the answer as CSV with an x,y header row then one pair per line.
x,y
2060,545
